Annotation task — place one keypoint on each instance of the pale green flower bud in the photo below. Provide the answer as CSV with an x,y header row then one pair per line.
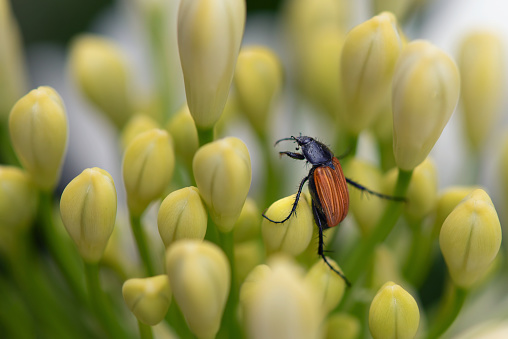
x,y
136,125
342,325
185,135
209,38
100,70
13,78
88,209
278,303
328,285
38,128
422,191
248,225
370,176
393,313
481,64
200,278
470,238
248,254
425,92
147,168
223,175
368,59
446,202
385,267
182,215
148,298
294,235
18,199
258,80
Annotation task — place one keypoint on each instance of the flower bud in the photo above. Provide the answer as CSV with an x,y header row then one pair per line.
x,y
13,79
101,72
446,202
425,92
481,64
185,135
136,125
258,81
38,128
470,238
292,236
223,175
422,191
18,199
148,298
370,176
368,59
385,267
393,313
248,254
279,304
147,166
248,225
182,215
200,278
328,285
88,209
342,325
209,37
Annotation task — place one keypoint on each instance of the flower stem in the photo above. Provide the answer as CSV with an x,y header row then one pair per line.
x,y
145,331
205,135
357,261
420,254
448,310
100,305
176,321
141,243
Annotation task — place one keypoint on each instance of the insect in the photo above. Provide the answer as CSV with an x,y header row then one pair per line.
x,y
327,187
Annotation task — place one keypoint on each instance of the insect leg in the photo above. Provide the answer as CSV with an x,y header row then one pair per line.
x,y
319,222
293,155
380,195
293,210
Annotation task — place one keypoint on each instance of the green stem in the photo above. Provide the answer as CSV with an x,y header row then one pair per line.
x,y
420,254
358,260
145,331
7,155
176,321
100,304
229,320
448,311
205,135
142,245
62,251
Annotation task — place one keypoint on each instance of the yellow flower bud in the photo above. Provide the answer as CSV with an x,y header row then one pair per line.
x,y
279,303
481,64
470,238
200,278
258,81
136,125
100,70
209,37
368,59
327,285
182,215
393,313
223,174
185,135
18,200
88,209
248,225
370,176
148,298
13,78
342,325
147,166
425,92
294,235
248,254
422,191
446,202
38,128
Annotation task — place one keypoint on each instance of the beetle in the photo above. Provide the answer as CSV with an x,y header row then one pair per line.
x,y
327,187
